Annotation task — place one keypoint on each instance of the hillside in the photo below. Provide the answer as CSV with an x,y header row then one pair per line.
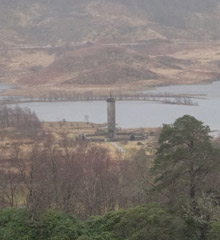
x,y
56,22
67,44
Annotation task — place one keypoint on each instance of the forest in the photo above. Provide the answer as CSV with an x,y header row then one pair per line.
x,y
78,190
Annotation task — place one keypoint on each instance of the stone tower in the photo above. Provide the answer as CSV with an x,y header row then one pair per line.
x,y
111,118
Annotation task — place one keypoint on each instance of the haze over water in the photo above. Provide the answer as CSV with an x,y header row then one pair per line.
x,y
138,114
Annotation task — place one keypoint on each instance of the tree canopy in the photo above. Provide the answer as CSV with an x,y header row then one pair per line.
x,y
185,157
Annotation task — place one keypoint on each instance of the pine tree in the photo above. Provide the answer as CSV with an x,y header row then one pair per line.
x,y
184,158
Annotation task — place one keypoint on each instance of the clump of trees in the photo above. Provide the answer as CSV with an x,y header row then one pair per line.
x,y
77,180
85,180
18,118
74,177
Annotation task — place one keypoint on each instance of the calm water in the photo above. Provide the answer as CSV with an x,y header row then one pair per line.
x,y
4,87
138,114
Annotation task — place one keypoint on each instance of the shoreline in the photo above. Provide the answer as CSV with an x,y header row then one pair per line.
x,y
96,91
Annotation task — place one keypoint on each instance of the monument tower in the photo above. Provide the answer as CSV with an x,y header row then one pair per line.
x,y
111,118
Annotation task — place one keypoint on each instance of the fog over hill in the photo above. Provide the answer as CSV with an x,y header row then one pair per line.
x,y
113,24
56,21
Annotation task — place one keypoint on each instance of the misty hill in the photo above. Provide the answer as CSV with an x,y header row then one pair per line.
x,y
106,28
56,21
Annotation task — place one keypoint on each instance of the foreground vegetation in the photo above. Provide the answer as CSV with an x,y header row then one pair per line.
x,y
143,222
174,195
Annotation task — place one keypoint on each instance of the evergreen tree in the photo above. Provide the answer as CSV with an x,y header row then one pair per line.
x,y
184,158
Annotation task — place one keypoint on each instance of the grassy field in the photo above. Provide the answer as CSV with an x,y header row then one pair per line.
x,y
70,131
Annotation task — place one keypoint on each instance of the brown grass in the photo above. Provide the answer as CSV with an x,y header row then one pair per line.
x,y
101,69
70,130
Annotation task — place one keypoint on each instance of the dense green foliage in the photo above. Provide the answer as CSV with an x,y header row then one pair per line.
x,y
143,222
56,226
214,233
15,224
18,224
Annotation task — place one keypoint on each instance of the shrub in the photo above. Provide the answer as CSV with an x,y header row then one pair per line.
x,y
59,226
15,224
